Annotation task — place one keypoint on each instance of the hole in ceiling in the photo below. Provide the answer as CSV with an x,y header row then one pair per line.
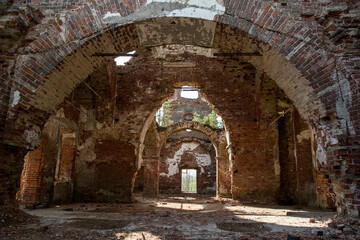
x,y
121,61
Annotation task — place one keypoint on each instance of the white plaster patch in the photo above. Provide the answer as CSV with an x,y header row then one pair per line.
x,y
204,9
193,12
15,98
343,113
199,3
203,160
173,163
321,154
334,141
341,108
32,136
304,135
109,16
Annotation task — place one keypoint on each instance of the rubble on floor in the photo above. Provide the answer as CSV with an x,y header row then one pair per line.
x,y
181,217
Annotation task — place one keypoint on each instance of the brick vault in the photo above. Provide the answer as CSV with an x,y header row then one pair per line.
x,y
283,75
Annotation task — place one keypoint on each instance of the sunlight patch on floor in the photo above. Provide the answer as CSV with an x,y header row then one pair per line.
x,y
181,206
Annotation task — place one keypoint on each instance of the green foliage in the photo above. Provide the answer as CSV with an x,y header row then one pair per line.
x,y
188,180
210,120
165,118
197,118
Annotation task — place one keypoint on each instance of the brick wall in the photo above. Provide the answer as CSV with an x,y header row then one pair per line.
x,y
67,158
224,171
11,163
324,190
180,106
187,154
31,181
63,184
313,43
114,171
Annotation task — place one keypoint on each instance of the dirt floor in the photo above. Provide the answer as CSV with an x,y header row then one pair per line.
x,y
177,217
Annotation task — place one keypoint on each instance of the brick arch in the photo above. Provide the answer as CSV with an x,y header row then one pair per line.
x,y
286,41
294,55
273,25
42,65
215,136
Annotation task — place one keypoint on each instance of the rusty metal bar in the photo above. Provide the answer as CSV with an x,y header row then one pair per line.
x,y
238,54
115,55
93,90
282,114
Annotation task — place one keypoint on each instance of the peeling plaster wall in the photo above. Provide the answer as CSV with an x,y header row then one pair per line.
x,y
168,8
108,130
195,155
48,168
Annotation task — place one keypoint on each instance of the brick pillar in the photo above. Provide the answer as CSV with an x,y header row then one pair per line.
x,y
31,183
224,177
63,187
324,193
151,176
223,171
306,190
11,164
289,181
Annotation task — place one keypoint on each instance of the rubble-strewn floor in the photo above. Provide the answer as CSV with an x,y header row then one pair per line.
x,y
170,217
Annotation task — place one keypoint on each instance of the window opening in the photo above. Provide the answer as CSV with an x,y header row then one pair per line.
x,y
190,107
121,61
188,181
189,92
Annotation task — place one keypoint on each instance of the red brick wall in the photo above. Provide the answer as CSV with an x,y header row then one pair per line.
x,y
67,158
323,187
31,182
289,180
180,106
114,171
170,180
298,31
11,164
306,193
151,176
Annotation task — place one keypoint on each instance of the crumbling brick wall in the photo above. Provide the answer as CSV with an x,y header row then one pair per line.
x,y
186,154
180,106
310,51
31,181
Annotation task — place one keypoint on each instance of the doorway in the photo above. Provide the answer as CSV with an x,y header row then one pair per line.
x,y
189,180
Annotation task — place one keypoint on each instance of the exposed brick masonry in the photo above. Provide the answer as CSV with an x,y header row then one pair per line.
x,y
47,52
